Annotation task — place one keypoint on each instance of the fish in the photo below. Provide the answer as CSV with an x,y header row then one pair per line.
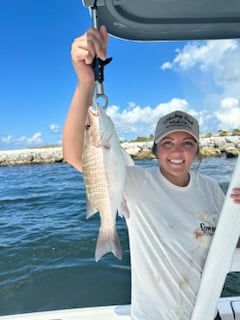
x,y
104,169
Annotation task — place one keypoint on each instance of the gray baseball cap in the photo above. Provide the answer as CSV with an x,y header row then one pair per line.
x,y
176,121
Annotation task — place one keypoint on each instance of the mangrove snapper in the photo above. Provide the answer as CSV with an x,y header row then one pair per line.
x,y
104,172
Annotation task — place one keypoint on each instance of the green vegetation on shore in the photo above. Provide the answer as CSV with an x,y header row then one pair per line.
x,y
220,133
48,146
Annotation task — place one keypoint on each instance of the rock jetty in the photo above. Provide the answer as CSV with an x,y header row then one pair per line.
x,y
209,146
31,156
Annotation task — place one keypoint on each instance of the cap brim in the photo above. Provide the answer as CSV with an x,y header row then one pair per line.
x,y
175,130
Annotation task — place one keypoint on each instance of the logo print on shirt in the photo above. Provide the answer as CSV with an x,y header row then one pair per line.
x,y
208,230
207,226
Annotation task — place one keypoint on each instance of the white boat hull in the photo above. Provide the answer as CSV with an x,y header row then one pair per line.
x,y
229,309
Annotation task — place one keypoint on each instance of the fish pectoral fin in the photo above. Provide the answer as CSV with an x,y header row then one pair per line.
x,y
105,145
108,242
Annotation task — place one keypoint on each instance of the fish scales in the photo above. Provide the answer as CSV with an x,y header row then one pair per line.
x,y
98,182
104,173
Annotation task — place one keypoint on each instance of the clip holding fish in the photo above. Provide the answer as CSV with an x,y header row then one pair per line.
x,y
98,65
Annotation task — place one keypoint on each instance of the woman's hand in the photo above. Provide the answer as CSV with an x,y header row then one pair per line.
x,y
235,195
85,48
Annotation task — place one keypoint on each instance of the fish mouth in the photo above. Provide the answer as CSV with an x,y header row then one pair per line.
x,y
94,111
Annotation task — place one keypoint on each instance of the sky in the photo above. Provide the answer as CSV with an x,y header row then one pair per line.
x,y
143,82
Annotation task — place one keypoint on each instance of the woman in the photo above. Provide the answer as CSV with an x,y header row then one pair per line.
x,y
173,213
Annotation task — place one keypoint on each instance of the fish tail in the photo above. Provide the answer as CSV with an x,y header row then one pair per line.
x,y
108,242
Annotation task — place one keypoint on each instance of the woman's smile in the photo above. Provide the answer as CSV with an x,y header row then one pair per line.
x,y
176,153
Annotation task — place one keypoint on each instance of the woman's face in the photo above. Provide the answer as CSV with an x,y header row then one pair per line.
x,y
176,153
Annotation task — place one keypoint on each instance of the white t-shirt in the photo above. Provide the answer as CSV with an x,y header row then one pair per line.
x,y
170,231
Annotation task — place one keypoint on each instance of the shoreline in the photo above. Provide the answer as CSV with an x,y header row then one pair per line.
x,y
209,146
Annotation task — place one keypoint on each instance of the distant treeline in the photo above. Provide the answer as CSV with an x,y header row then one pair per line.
x,y
221,133
48,146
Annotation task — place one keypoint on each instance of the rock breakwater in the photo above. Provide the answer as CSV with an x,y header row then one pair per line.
x,y
209,146
31,156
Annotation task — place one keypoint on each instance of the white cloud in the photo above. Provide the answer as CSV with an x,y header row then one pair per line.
x,y
7,140
218,60
54,128
167,65
210,72
23,141
35,139
228,114
205,54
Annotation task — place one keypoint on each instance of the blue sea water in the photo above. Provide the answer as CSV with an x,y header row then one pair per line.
x,y
47,245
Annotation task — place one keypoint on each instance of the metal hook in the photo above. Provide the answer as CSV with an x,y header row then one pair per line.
x,y
96,101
